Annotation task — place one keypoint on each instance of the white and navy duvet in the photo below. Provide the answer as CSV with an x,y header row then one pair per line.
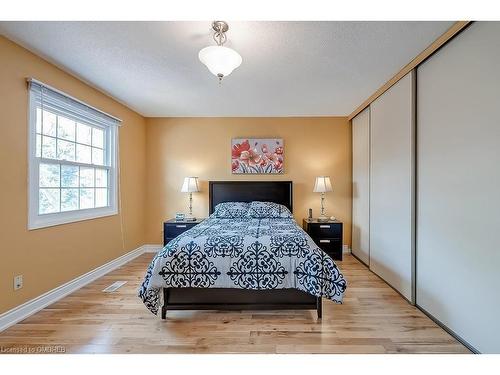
x,y
246,253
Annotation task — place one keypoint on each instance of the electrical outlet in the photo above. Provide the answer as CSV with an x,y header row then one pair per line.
x,y
18,282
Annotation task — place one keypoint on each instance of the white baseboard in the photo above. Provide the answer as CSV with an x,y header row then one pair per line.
x,y
346,249
152,248
30,307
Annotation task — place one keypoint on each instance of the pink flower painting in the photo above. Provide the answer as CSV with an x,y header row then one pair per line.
x,y
257,156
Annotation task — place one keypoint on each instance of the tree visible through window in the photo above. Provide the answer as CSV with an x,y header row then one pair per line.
x,y
73,161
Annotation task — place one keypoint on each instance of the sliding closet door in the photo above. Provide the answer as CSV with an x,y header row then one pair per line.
x,y
458,190
361,186
391,185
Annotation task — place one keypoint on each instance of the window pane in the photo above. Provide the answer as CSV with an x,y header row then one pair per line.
x,y
97,156
97,137
49,175
101,178
69,176
49,123
65,150
66,128
39,121
101,197
86,198
83,154
86,177
38,146
83,133
48,147
48,201
72,164
69,199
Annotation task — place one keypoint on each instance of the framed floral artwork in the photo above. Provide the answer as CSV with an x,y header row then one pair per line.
x,y
257,156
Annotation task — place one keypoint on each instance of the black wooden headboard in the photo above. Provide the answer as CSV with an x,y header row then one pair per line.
x,y
247,191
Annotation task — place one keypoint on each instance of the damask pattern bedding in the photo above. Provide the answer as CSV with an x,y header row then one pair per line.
x,y
246,253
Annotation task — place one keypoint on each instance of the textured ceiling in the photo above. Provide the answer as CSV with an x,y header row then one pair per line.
x,y
288,69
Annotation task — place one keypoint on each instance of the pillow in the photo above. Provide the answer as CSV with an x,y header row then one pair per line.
x,y
231,210
262,210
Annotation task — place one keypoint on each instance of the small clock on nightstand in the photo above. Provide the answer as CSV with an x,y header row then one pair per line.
x,y
327,235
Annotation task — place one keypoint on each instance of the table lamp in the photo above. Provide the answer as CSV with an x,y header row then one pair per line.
x,y
322,185
190,186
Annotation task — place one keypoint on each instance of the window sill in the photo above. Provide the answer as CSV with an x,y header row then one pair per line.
x,y
60,218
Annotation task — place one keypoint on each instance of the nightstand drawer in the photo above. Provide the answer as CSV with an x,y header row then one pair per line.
x,y
331,246
328,230
172,230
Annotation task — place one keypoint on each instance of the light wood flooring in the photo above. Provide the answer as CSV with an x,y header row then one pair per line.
x,y
373,319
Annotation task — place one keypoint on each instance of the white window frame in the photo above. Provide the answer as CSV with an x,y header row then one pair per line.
x,y
37,221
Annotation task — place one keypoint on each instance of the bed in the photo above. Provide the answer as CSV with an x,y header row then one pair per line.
x,y
241,263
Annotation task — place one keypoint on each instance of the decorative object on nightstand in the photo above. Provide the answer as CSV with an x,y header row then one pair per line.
x,y
173,228
322,185
327,235
190,186
179,216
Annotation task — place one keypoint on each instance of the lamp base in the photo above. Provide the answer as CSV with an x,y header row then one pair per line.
x,y
189,218
323,218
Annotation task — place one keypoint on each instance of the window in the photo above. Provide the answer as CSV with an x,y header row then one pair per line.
x,y
72,159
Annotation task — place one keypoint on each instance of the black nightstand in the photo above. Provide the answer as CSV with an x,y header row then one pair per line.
x,y
172,228
327,235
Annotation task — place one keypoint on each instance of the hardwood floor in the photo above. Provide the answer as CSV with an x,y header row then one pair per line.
x,y
373,319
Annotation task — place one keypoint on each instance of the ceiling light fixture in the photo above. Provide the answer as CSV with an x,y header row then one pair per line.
x,y
220,60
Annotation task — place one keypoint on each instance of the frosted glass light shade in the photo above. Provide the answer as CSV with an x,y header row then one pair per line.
x,y
322,184
190,185
221,61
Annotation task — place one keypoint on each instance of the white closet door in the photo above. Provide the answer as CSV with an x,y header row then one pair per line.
x,y
458,190
361,186
391,185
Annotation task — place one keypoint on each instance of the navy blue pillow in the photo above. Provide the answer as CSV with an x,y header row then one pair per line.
x,y
265,210
231,210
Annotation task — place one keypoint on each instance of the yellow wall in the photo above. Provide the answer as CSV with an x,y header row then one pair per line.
x,y
52,256
150,176
179,147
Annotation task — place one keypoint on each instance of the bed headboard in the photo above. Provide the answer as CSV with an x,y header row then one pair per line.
x,y
247,191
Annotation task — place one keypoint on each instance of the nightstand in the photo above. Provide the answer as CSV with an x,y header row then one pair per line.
x,y
172,228
327,235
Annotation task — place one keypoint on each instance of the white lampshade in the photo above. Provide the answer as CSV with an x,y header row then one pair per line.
x,y
221,61
190,185
322,184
